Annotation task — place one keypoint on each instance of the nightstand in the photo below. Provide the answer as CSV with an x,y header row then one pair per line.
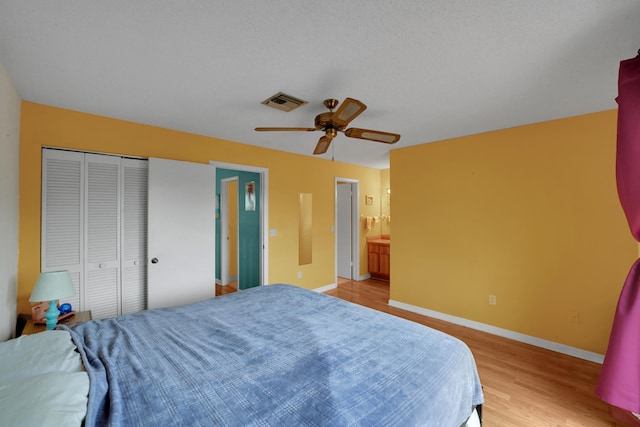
x,y
32,328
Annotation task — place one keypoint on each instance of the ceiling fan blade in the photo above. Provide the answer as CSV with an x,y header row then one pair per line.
x,y
285,129
373,135
323,145
347,111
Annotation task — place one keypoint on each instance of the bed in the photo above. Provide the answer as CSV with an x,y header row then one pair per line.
x,y
273,355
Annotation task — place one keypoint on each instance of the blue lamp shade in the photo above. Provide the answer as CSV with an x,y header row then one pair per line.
x,y
51,286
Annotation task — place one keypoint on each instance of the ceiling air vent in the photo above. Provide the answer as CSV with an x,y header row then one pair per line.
x,y
284,102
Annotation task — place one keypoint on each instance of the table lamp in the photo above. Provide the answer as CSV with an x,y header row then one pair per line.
x,y
51,286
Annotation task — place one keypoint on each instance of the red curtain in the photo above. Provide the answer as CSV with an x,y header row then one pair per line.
x,y
619,382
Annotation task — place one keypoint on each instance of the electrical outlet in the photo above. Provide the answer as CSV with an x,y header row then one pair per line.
x,y
574,316
492,299
299,274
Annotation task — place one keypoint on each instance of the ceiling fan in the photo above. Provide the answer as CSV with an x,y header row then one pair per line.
x,y
333,122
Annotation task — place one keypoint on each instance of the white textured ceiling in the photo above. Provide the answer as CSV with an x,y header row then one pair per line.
x,y
428,70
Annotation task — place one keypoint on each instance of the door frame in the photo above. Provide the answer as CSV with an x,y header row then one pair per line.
x,y
224,230
355,229
264,212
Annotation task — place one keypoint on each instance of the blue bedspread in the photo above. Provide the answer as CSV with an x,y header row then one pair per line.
x,y
274,356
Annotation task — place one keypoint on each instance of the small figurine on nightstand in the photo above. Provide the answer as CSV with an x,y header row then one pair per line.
x,y
65,308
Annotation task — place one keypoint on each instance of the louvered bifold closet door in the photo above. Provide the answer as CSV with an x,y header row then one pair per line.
x,y
102,235
134,235
62,216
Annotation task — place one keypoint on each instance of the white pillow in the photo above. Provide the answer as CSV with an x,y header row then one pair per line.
x,y
44,352
54,399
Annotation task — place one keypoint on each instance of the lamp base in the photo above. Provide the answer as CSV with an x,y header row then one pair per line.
x,y
43,321
52,315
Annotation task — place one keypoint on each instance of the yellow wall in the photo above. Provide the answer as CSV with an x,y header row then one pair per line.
x,y
528,214
289,175
385,201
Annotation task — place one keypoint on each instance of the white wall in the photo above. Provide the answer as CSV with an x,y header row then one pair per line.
x,y
9,202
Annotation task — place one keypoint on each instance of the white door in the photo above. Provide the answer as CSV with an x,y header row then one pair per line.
x,y
181,232
345,263
135,177
94,222
102,235
228,230
63,221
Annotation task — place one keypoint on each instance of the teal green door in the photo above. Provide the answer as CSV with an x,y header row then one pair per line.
x,y
249,244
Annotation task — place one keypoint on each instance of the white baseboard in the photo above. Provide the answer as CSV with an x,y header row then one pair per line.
x,y
231,279
516,336
325,288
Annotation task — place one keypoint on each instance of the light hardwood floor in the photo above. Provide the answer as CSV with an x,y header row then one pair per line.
x,y
523,385
227,289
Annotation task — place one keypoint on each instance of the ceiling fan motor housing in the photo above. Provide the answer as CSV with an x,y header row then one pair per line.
x,y
323,120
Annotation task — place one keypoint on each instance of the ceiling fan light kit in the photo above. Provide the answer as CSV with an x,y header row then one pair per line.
x,y
333,122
